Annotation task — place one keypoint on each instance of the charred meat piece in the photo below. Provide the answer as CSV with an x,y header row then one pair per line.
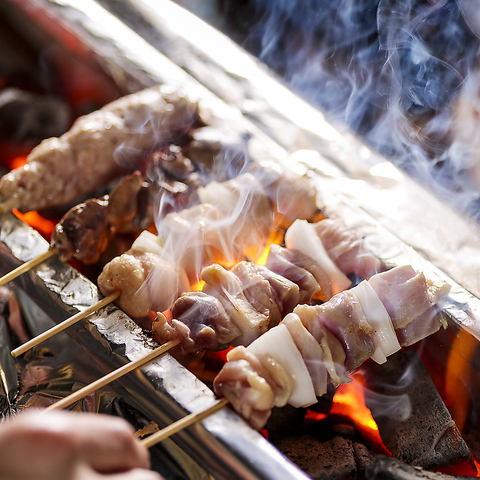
x,y
170,169
97,148
86,230
218,154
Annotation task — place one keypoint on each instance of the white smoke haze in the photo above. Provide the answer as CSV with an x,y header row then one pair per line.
x,y
400,73
396,407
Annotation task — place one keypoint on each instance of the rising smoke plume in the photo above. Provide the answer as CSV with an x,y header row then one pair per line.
x,y
401,73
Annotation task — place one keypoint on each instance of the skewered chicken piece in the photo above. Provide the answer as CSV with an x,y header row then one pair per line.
x,y
238,305
301,236
233,222
338,250
291,193
292,362
347,249
97,148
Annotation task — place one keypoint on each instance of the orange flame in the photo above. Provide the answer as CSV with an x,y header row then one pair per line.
x,y
43,226
17,162
349,401
458,376
198,287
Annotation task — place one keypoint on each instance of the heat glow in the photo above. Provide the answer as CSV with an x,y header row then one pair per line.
x,y
43,226
349,402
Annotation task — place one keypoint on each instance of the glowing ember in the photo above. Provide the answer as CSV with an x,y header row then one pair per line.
x,y
17,162
42,225
458,376
349,401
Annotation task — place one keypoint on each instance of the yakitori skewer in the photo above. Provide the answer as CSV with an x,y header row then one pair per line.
x,y
116,374
183,423
29,265
65,324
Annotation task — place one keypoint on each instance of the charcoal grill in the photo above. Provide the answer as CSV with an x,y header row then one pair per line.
x,y
244,95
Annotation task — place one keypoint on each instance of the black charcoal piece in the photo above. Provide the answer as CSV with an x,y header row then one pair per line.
x,y
414,423
387,468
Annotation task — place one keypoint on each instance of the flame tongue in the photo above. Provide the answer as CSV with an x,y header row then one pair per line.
x,y
349,402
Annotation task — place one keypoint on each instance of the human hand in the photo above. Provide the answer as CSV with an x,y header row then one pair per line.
x,y
71,446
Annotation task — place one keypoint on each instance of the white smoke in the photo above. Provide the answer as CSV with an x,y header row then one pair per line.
x,y
393,71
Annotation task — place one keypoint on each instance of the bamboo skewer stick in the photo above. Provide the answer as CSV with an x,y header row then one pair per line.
x,y
119,372
51,252
183,423
65,324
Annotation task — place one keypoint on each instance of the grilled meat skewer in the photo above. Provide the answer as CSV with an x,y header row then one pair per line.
x,y
97,148
237,305
292,362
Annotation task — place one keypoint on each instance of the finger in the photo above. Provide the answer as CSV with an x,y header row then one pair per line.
x,y
136,474
107,443
104,442
84,472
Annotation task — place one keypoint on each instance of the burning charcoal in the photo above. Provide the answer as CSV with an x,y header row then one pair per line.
x,y
364,457
387,468
285,419
326,449
332,459
26,116
413,421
